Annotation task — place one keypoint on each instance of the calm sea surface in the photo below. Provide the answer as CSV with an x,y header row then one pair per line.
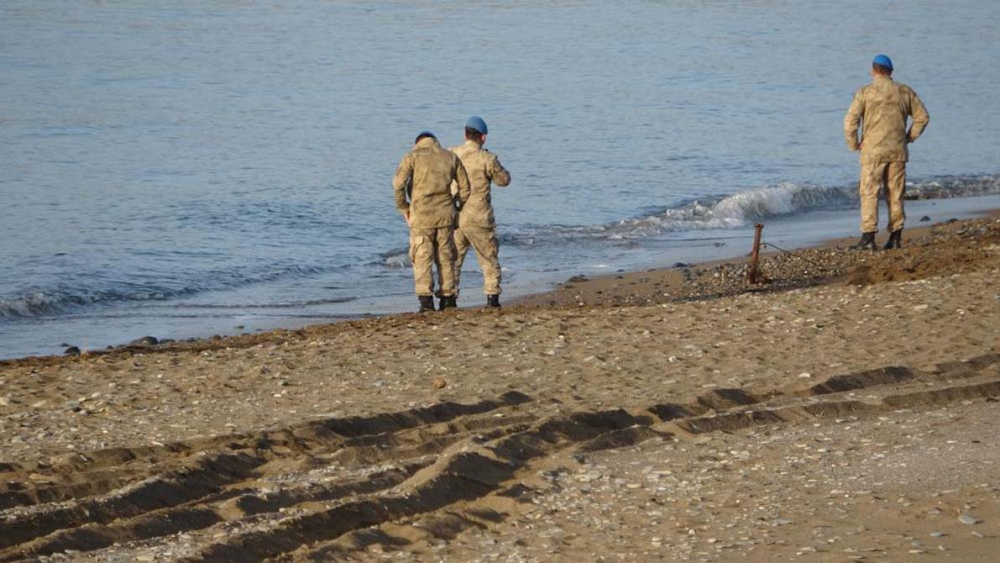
x,y
187,168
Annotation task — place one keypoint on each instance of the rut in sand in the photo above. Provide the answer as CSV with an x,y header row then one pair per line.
x,y
324,489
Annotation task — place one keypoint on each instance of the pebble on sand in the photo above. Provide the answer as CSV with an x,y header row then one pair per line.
x,y
968,519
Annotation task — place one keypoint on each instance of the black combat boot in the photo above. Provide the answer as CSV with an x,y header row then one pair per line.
x,y
448,302
867,242
426,303
493,301
895,240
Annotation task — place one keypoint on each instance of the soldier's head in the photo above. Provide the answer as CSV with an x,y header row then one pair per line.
x,y
882,66
476,130
473,135
424,135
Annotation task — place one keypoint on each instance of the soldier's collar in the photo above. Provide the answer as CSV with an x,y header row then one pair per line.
x,y
428,142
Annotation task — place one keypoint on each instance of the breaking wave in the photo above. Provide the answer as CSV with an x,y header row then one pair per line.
x,y
395,259
744,208
48,302
43,303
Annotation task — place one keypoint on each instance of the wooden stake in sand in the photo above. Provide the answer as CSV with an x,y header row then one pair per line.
x,y
752,275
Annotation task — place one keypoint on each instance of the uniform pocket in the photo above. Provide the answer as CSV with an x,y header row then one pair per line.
x,y
419,246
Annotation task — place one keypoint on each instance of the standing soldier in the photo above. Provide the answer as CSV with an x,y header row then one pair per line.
x,y
882,108
424,198
476,225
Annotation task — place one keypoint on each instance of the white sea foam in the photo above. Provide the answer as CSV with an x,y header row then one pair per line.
x,y
744,208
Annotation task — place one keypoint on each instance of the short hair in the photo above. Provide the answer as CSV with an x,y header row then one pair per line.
x,y
472,134
424,135
884,70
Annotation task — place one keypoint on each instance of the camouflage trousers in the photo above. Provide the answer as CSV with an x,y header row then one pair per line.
x,y
484,242
892,175
430,247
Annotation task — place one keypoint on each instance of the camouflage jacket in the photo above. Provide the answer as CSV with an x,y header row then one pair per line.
x,y
484,169
881,108
423,185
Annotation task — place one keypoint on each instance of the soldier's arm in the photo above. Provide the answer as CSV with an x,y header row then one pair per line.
x,y
454,184
498,173
400,182
462,180
853,119
920,117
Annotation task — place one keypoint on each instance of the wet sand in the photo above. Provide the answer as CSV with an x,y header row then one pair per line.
x,y
842,411
830,262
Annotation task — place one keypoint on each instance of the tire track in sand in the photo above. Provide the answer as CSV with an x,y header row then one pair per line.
x,y
322,489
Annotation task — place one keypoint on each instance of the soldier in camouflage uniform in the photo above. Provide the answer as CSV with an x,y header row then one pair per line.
x,y
882,109
423,187
477,227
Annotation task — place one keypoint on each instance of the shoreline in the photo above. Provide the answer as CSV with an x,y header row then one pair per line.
x,y
624,287
672,283
229,315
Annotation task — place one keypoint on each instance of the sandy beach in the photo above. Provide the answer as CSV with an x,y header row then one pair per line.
x,y
844,410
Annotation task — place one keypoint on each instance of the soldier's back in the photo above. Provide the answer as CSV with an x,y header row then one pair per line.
x,y
431,197
887,106
478,211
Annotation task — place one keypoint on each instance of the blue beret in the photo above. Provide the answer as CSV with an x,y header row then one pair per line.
x,y
883,60
477,123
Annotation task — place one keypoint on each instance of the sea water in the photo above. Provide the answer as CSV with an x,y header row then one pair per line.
x,y
187,168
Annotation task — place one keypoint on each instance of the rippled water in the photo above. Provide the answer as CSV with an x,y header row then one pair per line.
x,y
185,168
